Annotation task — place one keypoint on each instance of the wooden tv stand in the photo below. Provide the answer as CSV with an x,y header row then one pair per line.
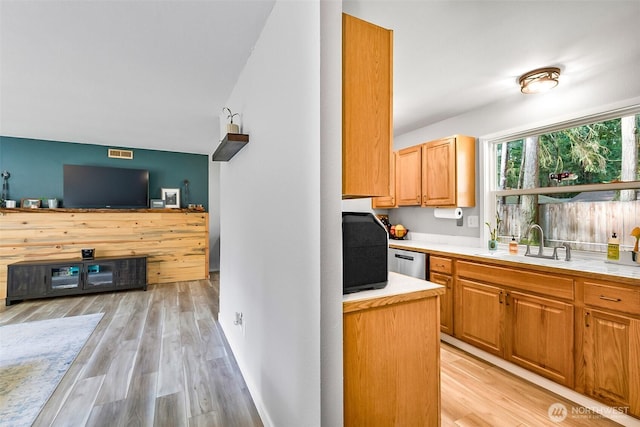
x,y
61,277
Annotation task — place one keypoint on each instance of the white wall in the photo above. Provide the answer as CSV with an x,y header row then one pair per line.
x,y
214,216
276,264
331,219
571,99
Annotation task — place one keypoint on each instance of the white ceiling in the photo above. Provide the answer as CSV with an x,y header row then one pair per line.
x,y
156,74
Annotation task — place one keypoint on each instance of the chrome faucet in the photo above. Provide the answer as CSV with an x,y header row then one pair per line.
x,y
541,247
540,253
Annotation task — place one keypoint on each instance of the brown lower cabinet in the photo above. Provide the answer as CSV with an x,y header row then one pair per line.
x,y
579,332
392,362
611,345
533,331
441,272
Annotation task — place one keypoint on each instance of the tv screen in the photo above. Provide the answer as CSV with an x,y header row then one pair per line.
x,y
105,187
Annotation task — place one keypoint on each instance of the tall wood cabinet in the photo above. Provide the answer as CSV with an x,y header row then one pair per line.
x,y
367,108
448,172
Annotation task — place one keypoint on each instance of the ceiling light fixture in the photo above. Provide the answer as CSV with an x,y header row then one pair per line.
x,y
540,80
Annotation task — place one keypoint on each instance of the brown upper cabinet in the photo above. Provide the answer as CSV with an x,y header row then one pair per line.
x,y
437,173
448,172
367,101
408,172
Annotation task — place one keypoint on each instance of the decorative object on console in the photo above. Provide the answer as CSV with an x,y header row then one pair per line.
x,y
171,197
52,203
88,253
186,193
29,203
10,203
157,204
5,185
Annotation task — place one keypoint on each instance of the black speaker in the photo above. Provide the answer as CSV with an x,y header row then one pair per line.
x,y
364,252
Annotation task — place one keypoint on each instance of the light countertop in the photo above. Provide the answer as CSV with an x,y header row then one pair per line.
x,y
400,288
581,262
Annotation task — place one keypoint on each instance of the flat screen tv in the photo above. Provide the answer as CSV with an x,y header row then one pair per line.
x,y
105,187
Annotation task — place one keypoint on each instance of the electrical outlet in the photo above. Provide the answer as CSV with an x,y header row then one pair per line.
x,y
238,321
472,221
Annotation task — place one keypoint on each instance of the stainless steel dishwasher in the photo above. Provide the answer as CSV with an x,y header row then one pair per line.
x,y
410,263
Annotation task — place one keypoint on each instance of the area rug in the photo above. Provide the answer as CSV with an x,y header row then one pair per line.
x,y
34,356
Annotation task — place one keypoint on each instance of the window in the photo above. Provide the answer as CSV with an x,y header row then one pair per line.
x,y
578,181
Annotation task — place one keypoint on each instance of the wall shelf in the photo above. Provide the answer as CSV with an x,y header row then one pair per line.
x,y
230,145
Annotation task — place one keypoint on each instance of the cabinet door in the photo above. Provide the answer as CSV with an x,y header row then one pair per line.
x,y
100,275
408,175
64,278
389,201
439,173
612,359
540,336
480,311
392,365
131,273
26,281
446,301
367,130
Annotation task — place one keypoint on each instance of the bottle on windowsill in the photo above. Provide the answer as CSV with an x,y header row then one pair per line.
x,y
613,248
513,246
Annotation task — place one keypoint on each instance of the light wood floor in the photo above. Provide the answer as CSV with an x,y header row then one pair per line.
x,y
159,358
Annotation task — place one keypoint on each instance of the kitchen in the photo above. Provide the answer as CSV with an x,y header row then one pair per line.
x,y
462,256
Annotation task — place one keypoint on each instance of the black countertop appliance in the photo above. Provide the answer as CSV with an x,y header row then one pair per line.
x,y
365,244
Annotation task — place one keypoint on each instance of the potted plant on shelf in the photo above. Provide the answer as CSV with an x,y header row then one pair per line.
x,y
493,233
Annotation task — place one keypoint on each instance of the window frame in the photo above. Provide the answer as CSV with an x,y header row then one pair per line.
x,y
487,157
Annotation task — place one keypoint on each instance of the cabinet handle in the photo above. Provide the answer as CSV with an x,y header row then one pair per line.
x,y
506,299
610,299
586,319
500,297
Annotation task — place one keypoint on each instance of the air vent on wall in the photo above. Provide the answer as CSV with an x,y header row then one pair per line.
x,y
120,154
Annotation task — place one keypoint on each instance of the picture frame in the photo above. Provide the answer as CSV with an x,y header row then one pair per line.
x,y
157,204
30,203
171,197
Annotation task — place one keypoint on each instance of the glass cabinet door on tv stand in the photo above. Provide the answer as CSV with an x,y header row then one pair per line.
x,y
99,275
63,278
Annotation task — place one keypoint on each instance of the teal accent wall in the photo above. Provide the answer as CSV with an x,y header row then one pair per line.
x,y
36,168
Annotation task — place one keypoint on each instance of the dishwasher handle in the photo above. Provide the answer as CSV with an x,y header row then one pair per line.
x,y
407,257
